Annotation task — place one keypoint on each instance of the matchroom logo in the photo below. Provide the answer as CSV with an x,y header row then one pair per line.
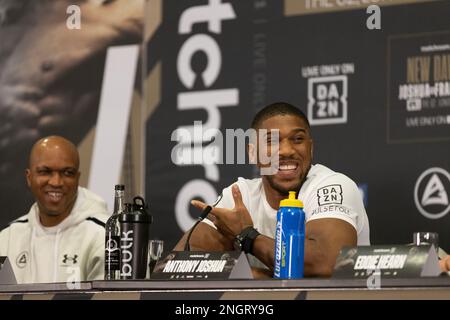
x,y
431,193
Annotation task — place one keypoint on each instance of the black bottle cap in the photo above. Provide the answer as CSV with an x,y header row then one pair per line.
x,y
119,187
136,212
128,207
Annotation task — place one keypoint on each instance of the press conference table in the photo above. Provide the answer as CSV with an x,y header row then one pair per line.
x,y
435,288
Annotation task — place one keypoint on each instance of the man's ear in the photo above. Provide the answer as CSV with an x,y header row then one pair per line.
x,y
312,148
251,150
28,176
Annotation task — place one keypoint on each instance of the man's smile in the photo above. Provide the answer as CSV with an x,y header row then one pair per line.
x,y
288,169
54,196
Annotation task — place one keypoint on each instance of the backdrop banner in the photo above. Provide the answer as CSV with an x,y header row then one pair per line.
x,y
378,102
52,58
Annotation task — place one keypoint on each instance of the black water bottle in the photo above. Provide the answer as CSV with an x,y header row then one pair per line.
x,y
112,236
134,230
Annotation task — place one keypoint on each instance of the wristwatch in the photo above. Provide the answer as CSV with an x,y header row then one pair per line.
x,y
244,240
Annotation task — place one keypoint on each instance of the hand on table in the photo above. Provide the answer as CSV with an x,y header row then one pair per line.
x,y
445,264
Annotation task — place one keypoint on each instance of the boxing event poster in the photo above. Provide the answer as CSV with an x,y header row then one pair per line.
x,y
361,89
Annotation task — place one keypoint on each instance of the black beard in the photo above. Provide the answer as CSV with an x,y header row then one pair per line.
x,y
283,191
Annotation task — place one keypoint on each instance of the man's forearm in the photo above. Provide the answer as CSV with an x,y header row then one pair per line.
x,y
205,238
264,250
317,261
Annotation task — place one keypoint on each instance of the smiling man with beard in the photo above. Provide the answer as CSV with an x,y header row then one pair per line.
x,y
335,214
62,237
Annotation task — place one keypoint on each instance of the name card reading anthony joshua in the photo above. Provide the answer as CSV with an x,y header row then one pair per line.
x,y
199,265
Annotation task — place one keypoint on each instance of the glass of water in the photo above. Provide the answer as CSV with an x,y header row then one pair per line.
x,y
155,250
426,238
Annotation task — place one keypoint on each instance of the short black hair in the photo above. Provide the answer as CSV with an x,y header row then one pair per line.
x,y
276,109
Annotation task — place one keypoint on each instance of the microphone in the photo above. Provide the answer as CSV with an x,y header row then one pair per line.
x,y
203,215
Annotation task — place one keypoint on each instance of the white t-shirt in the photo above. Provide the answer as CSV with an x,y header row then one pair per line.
x,y
325,194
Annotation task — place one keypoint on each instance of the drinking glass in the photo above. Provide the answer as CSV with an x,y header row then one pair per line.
x,y
155,250
426,238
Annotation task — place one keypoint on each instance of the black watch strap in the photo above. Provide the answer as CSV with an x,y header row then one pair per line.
x,y
247,237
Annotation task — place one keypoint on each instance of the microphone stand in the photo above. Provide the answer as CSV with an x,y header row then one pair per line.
x,y
205,212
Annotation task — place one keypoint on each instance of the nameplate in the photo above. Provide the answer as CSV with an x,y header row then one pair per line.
x,y
387,261
6,272
200,265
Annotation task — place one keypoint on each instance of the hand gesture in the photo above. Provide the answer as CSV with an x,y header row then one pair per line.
x,y
229,222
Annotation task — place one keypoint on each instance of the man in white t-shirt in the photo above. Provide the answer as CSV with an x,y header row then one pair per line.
x,y
245,217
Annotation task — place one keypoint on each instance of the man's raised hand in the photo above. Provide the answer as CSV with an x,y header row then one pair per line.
x,y
230,222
